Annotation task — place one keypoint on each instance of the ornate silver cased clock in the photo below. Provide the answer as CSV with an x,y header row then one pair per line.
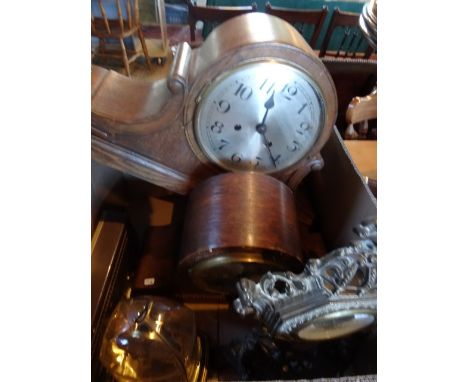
x,y
333,296
253,97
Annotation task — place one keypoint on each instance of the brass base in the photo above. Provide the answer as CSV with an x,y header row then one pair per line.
x,y
219,272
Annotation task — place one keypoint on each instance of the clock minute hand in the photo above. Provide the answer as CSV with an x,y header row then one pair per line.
x,y
267,144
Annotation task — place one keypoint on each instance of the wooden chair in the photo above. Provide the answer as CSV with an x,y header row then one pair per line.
x,y
352,38
363,150
106,28
302,19
213,16
360,110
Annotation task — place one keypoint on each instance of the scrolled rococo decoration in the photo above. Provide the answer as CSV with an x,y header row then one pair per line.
x,y
333,296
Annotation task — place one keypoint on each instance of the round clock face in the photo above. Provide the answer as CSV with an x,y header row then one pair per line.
x,y
263,116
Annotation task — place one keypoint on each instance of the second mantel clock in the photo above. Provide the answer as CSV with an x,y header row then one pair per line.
x,y
253,97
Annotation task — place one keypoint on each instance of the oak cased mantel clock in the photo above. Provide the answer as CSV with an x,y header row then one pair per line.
x,y
254,97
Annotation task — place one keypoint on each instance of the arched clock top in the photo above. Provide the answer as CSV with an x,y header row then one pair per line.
x,y
157,120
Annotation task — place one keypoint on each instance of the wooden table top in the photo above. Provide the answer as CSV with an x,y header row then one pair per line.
x,y
364,154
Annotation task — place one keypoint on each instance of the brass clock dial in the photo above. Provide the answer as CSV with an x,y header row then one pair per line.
x,y
263,116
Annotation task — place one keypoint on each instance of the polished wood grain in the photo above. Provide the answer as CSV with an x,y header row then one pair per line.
x,y
242,213
241,210
125,105
155,172
301,18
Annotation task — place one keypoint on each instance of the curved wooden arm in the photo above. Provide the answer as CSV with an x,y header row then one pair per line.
x,y
137,106
362,108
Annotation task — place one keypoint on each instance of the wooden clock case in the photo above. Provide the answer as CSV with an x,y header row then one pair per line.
x,y
145,128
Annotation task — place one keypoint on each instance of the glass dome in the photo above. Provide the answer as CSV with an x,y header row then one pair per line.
x,y
151,339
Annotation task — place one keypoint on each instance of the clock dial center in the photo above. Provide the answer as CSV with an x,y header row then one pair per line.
x,y
261,128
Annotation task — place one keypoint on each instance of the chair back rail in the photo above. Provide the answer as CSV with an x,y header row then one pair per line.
x,y
300,18
104,16
123,23
213,14
352,39
125,20
119,14
129,14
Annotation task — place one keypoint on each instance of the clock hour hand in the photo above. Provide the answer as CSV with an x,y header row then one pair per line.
x,y
261,127
269,104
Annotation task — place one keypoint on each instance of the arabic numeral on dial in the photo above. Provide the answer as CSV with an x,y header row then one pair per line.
x,y
267,86
217,127
259,159
294,146
236,158
302,108
224,143
289,91
304,126
222,106
244,92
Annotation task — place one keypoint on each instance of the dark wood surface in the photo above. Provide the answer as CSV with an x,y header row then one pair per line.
x,y
240,213
300,18
241,210
158,262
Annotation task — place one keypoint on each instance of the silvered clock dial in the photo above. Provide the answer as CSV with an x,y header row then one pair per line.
x,y
262,116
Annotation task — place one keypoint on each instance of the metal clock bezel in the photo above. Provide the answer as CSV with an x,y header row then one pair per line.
x,y
229,59
200,101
